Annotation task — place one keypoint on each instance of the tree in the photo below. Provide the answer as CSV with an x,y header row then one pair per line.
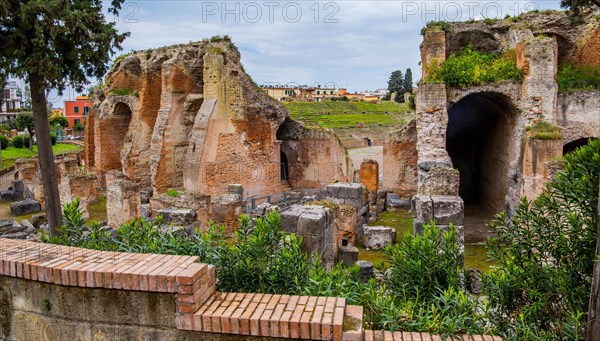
x,y
408,81
396,84
52,44
60,121
575,5
25,121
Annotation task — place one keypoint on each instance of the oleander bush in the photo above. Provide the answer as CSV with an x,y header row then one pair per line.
x,y
545,255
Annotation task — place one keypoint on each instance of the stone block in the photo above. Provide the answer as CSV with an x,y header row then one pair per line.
x,y
448,210
177,216
38,219
18,187
422,208
25,207
366,270
289,218
145,195
10,196
346,191
348,255
378,237
439,181
146,211
313,220
29,228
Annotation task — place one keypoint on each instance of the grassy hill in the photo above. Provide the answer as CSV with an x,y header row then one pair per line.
x,y
349,114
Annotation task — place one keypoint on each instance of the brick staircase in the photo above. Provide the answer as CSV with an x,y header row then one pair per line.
x,y
199,307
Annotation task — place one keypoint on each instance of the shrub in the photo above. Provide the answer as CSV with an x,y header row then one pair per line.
x,y
3,142
53,138
545,254
422,265
471,68
263,259
20,141
578,77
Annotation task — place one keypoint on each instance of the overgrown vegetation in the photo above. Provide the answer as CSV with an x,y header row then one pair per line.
x,y
573,77
538,291
124,92
173,193
263,259
545,255
544,130
472,68
437,26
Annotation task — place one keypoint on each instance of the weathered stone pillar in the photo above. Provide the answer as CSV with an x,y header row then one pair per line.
x,y
369,175
226,209
122,199
433,49
536,171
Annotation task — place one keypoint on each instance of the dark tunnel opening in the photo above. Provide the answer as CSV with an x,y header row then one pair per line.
x,y
571,146
479,140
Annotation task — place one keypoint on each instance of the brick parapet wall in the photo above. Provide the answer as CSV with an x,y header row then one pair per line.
x,y
200,310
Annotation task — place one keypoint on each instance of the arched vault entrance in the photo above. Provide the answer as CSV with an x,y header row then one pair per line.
x,y
571,146
480,140
116,127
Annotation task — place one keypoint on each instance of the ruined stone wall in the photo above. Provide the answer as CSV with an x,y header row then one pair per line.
x,y
578,113
537,168
188,117
83,186
400,154
505,166
316,157
28,171
123,201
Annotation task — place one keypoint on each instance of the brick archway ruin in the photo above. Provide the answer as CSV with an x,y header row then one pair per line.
x,y
109,144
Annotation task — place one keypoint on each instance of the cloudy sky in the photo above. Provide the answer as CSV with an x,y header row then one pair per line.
x,y
353,44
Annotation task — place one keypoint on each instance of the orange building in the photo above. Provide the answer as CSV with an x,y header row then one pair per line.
x,y
77,110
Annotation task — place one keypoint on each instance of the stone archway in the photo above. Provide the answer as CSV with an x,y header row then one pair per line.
x,y
112,131
571,146
480,140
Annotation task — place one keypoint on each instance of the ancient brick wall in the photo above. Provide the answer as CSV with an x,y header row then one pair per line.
x,y
400,154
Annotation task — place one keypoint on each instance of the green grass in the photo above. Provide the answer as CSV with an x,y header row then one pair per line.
x,y
332,114
402,221
11,154
544,131
476,257
97,210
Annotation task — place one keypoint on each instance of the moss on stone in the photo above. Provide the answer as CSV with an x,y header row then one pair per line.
x,y
544,130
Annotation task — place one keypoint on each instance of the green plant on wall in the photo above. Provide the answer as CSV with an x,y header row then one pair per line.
x,y
472,68
572,77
